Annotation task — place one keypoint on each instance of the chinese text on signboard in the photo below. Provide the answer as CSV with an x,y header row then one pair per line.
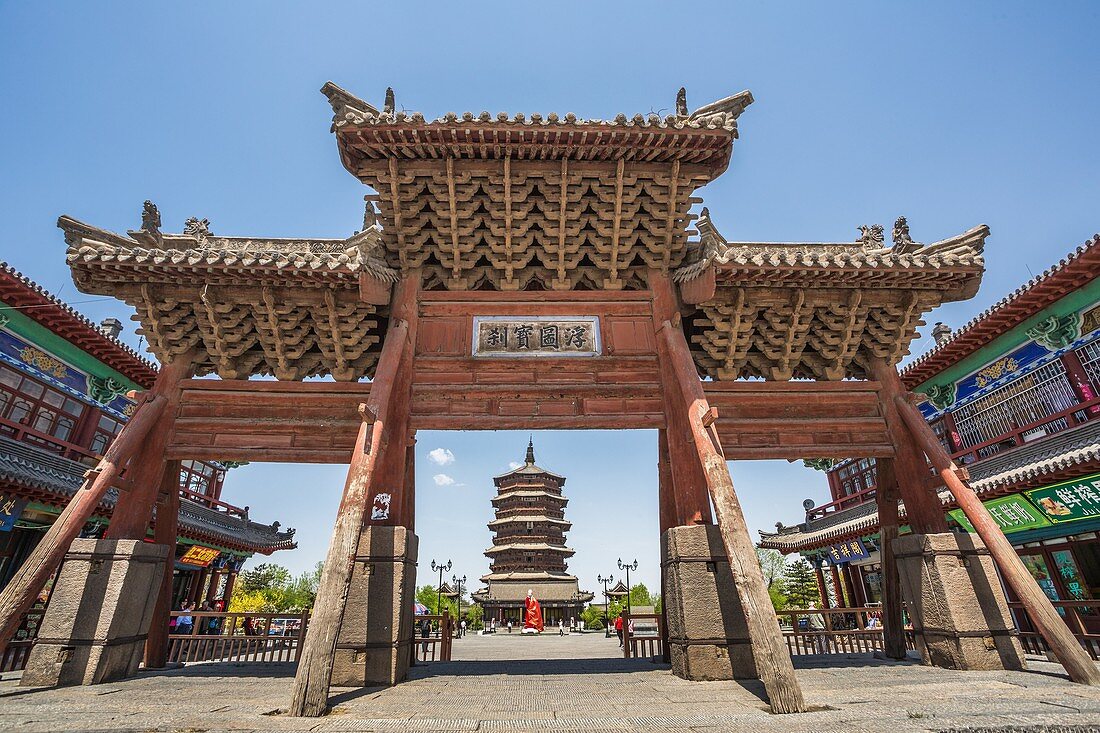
x,y
1069,501
847,552
198,555
1012,514
536,336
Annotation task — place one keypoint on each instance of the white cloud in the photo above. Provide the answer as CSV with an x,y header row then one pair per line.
x,y
514,465
442,479
441,457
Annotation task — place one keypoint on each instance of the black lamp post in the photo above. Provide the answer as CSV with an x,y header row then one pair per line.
x,y
606,607
628,567
442,568
460,585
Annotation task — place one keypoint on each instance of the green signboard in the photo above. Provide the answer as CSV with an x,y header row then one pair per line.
x,y
1012,513
1069,501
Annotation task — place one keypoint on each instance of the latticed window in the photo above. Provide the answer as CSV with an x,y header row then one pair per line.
x,y
941,432
28,402
857,476
1089,354
197,477
1026,400
106,430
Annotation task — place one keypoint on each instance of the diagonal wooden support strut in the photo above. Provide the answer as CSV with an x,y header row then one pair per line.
x,y
773,661
376,437
1039,608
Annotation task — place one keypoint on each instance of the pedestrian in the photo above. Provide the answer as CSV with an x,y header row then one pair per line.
x,y
462,629
619,629
425,632
204,621
185,623
561,627
509,627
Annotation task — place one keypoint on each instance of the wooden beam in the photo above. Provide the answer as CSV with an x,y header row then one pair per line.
x,y
1050,625
20,593
886,496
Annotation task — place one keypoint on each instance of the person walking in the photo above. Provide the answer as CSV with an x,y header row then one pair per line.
x,y
425,632
619,629
462,629
561,627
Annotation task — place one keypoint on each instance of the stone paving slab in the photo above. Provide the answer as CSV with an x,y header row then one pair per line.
x,y
566,684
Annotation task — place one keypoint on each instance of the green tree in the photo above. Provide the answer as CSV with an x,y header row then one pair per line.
x,y
427,594
774,568
800,585
265,576
270,588
592,617
474,616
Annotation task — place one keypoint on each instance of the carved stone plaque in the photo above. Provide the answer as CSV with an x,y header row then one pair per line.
x,y
541,336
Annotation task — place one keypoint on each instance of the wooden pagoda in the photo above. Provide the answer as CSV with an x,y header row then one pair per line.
x,y
529,551
538,271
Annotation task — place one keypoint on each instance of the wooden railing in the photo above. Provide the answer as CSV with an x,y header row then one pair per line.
x,y
833,631
1078,615
643,635
971,455
217,504
843,502
434,645
18,649
239,637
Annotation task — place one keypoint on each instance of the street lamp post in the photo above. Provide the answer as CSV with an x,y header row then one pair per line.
x,y
606,606
628,567
460,585
442,568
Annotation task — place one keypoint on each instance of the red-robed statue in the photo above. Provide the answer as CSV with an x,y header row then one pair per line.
x,y
532,619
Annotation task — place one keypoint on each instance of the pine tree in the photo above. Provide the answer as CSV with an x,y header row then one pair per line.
x,y
800,585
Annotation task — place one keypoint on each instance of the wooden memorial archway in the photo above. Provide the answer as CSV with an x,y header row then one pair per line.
x,y
524,272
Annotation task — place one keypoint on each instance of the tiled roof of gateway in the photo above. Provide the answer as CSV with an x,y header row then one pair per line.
x,y
1028,464
517,591
19,290
49,477
1080,267
219,258
721,115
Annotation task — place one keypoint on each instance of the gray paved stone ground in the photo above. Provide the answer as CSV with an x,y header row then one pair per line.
x,y
571,684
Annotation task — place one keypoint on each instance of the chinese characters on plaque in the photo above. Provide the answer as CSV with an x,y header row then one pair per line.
x,y
847,552
536,336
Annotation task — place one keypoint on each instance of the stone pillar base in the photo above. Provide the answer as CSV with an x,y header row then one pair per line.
x,y
373,645
959,614
708,638
99,614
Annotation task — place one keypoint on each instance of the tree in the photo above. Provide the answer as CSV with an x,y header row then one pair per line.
x,y
774,567
474,616
593,617
800,585
427,594
270,588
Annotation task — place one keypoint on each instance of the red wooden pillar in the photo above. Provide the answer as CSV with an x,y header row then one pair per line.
x,y
165,532
410,483
227,594
130,518
922,504
837,587
822,591
850,586
215,581
666,490
1079,379
690,500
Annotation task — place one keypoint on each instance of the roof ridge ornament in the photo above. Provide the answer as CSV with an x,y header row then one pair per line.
x,y
723,113
197,228
712,247
347,106
903,243
871,236
681,102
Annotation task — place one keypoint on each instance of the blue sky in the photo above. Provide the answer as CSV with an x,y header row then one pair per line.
x,y
950,114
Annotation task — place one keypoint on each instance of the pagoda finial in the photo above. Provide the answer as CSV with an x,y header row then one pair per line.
x,y
530,452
